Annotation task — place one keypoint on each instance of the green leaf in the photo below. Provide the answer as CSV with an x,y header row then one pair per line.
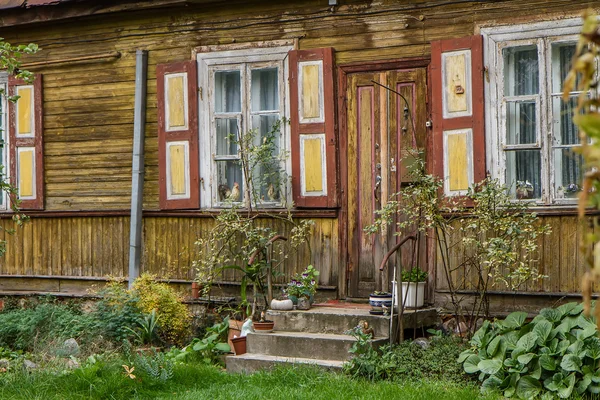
x,y
570,362
551,314
565,392
515,319
527,342
493,346
536,370
566,308
590,123
490,366
547,362
525,358
223,347
470,365
463,356
200,346
542,329
528,387
491,384
555,382
585,333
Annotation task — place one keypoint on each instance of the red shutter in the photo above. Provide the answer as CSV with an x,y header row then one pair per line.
x,y
178,159
26,142
458,148
312,118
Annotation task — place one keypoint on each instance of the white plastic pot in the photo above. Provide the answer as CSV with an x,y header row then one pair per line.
x,y
282,305
415,297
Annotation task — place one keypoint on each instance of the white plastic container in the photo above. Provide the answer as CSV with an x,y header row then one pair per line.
x,y
414,289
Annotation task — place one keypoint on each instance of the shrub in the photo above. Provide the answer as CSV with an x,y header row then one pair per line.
x,y
556,354
174,316
409,361
117,313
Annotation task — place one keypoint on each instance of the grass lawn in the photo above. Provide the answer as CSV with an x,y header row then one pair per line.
x,y
107,380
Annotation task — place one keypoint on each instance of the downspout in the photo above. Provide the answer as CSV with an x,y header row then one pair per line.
x,y
137,170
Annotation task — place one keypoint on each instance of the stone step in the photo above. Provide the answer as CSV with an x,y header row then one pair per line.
x,y
337,320
327,320
249,363
304,345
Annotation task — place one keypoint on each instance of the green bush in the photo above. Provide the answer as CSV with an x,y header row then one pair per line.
x,y
554,355
24,329
117,313
409,361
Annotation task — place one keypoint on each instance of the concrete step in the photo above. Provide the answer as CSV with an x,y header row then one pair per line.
x,y
337,320
249,363
304,345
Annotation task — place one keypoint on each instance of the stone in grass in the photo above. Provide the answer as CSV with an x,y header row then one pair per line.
x,y
422,342
29,365
72,364
4,363
69,348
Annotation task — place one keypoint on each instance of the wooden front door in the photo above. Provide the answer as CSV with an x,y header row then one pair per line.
x,y
381,128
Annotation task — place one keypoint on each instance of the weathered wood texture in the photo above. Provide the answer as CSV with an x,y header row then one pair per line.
x,y
88,108
99,247
559,259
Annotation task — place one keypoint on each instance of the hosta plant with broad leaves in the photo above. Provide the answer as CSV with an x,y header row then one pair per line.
x,y
556,355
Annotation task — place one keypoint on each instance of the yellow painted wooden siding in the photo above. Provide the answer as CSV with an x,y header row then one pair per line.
x,y
313,165
310,91
88,108
458,165
99,247
25,110
26,172
456,76
177,168
176,102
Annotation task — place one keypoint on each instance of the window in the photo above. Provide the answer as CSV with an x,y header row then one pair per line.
x,y
531,136
242,91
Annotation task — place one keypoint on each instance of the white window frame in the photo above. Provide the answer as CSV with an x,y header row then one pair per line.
x,y
543,35
4,159
248,58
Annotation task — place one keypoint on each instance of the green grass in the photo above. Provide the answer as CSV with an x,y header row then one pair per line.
x,y
107,380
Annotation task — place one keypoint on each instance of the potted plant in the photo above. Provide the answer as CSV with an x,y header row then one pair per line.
x,y
263,325
413,287
378,300
302,288
282,303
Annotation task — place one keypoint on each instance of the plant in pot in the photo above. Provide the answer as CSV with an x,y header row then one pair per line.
x,y
302,288
379,301
413,287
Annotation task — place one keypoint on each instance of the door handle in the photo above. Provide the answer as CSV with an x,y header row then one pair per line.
x,y
377,185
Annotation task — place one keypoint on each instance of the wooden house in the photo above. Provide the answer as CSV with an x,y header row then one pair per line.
x,y
482,81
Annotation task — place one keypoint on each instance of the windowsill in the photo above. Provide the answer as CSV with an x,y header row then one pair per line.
x,y
550,210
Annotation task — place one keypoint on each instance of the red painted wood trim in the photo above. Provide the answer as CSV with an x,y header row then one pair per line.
x,y
476,122
328,128
36,142
191,135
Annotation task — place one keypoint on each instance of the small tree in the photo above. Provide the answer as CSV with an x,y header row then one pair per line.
x,y
238,236
10,57
501,235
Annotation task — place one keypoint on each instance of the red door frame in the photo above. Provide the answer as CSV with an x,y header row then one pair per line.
x,y
342,75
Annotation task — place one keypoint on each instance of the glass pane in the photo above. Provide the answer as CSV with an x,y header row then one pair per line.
x,y
268,174
521,76
521,122
565,131
568,167
227,91
227,136
265,89
267,129
562,55
523,169
229,180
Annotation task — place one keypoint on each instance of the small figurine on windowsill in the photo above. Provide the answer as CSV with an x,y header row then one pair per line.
x,y
524,190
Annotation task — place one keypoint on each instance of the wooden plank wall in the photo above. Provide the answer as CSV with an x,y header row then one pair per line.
x,y
99,247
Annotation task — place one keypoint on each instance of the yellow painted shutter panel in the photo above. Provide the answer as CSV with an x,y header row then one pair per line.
x,y
25,110
313,165
26,171
177,166
458,165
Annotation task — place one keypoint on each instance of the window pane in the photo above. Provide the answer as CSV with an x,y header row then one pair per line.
x,y
521,122
523,168
230,185
227,136
265,90
521,76
565,131
568,167
267,128
562,55
227,91
267,174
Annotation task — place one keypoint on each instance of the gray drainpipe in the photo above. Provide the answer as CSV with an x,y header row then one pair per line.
x,y
137,170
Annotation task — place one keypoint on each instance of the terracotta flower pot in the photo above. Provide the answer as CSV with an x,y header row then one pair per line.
x,y
239,345
195,290
263,327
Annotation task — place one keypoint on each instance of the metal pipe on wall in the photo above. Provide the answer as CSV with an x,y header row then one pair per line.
x,y
137,170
